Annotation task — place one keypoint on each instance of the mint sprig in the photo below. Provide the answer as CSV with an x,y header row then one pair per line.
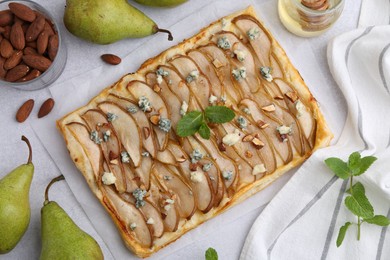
x,y
211,254
357,201
196,121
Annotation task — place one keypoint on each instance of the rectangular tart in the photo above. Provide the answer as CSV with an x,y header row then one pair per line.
x,y
155,185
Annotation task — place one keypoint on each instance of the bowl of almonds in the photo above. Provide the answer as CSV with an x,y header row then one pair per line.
x,y
32,55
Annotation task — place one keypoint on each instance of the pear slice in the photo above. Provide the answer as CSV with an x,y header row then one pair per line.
x,y
92,150
127,130
153,217
170,181
261,43
216,181
128,216
140,89
208,69
166,157
277,71
143,172
199,85
132,182
148,138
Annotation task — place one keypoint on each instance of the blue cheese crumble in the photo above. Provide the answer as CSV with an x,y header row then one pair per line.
x,y
253,33
224,43
239,73
207,167
145,154
95,137
227,174
242,123
139,195
164,124
133,226
266,73
132,109
111,117
241,55
106,136
162,72
194,75
246,111
125,157
144,104
196,156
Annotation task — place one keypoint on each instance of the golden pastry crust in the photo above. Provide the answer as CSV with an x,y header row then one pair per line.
x,y
82,157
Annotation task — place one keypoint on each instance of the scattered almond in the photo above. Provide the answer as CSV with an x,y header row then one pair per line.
x,y
156,88
112,156
146,131
38,62
270,108
278,98
22,11
217,63
24,111
114,162
262,124
193,167
46,108
222,147
111,59
155,119
17,73
292,96
248,154
258,144
247,138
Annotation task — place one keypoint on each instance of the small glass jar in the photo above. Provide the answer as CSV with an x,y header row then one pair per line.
x,y
58,64
306,22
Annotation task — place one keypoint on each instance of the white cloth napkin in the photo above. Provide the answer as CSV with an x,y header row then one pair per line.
x,y
303,220
374,12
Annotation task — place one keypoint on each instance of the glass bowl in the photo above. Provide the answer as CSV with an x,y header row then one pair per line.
x,y
58,64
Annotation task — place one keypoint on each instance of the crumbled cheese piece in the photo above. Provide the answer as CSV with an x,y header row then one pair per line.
x,y
144,104
150,221
246,111
227,175
300,107
284,130
139,195
242,122
145,154
239,73
106,135
132,109
196,155
108,178
241,55
194,75
167,178
167,207
133,226
213,99
223,99
95,137
196,177
170,82
111,117
164,124
266,73
207,167
259,168
232,138
217,63
223,22
125,157
224,43
159,79
253,33
162,72
169,201
183,108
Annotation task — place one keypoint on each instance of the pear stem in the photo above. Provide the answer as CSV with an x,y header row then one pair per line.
x,y
29,148
170,36
59,178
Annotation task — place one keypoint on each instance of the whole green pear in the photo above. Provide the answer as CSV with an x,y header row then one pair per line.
x,y
104,22
62,239
15,204
161,3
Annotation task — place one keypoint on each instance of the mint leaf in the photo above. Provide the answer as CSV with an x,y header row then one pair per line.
x,y
339,167
354,162
219,114
342,232
356,188
189,124
378,220
211,254
365,163
359,205
204,131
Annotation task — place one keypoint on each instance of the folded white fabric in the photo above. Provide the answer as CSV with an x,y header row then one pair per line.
x,y
374,12
303,220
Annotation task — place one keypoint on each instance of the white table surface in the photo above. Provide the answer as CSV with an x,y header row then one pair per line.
x,y
82,57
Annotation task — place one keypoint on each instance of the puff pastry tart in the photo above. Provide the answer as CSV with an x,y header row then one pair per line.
x,y
157,186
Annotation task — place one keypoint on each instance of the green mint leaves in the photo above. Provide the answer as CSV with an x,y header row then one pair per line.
x,y
196,121
211,254
357,201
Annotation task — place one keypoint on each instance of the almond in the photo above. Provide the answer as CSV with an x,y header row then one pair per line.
x,y
17,37
32,44
6,48
111,59
155,119
37,62
247,138
146,131
6,17
292,96
43,40
7,31
52,46
30,76
257,143
14,60
24,111
3,71
2,30
46,108
48,28
17,73
22,11
35,29
29,51
269,108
